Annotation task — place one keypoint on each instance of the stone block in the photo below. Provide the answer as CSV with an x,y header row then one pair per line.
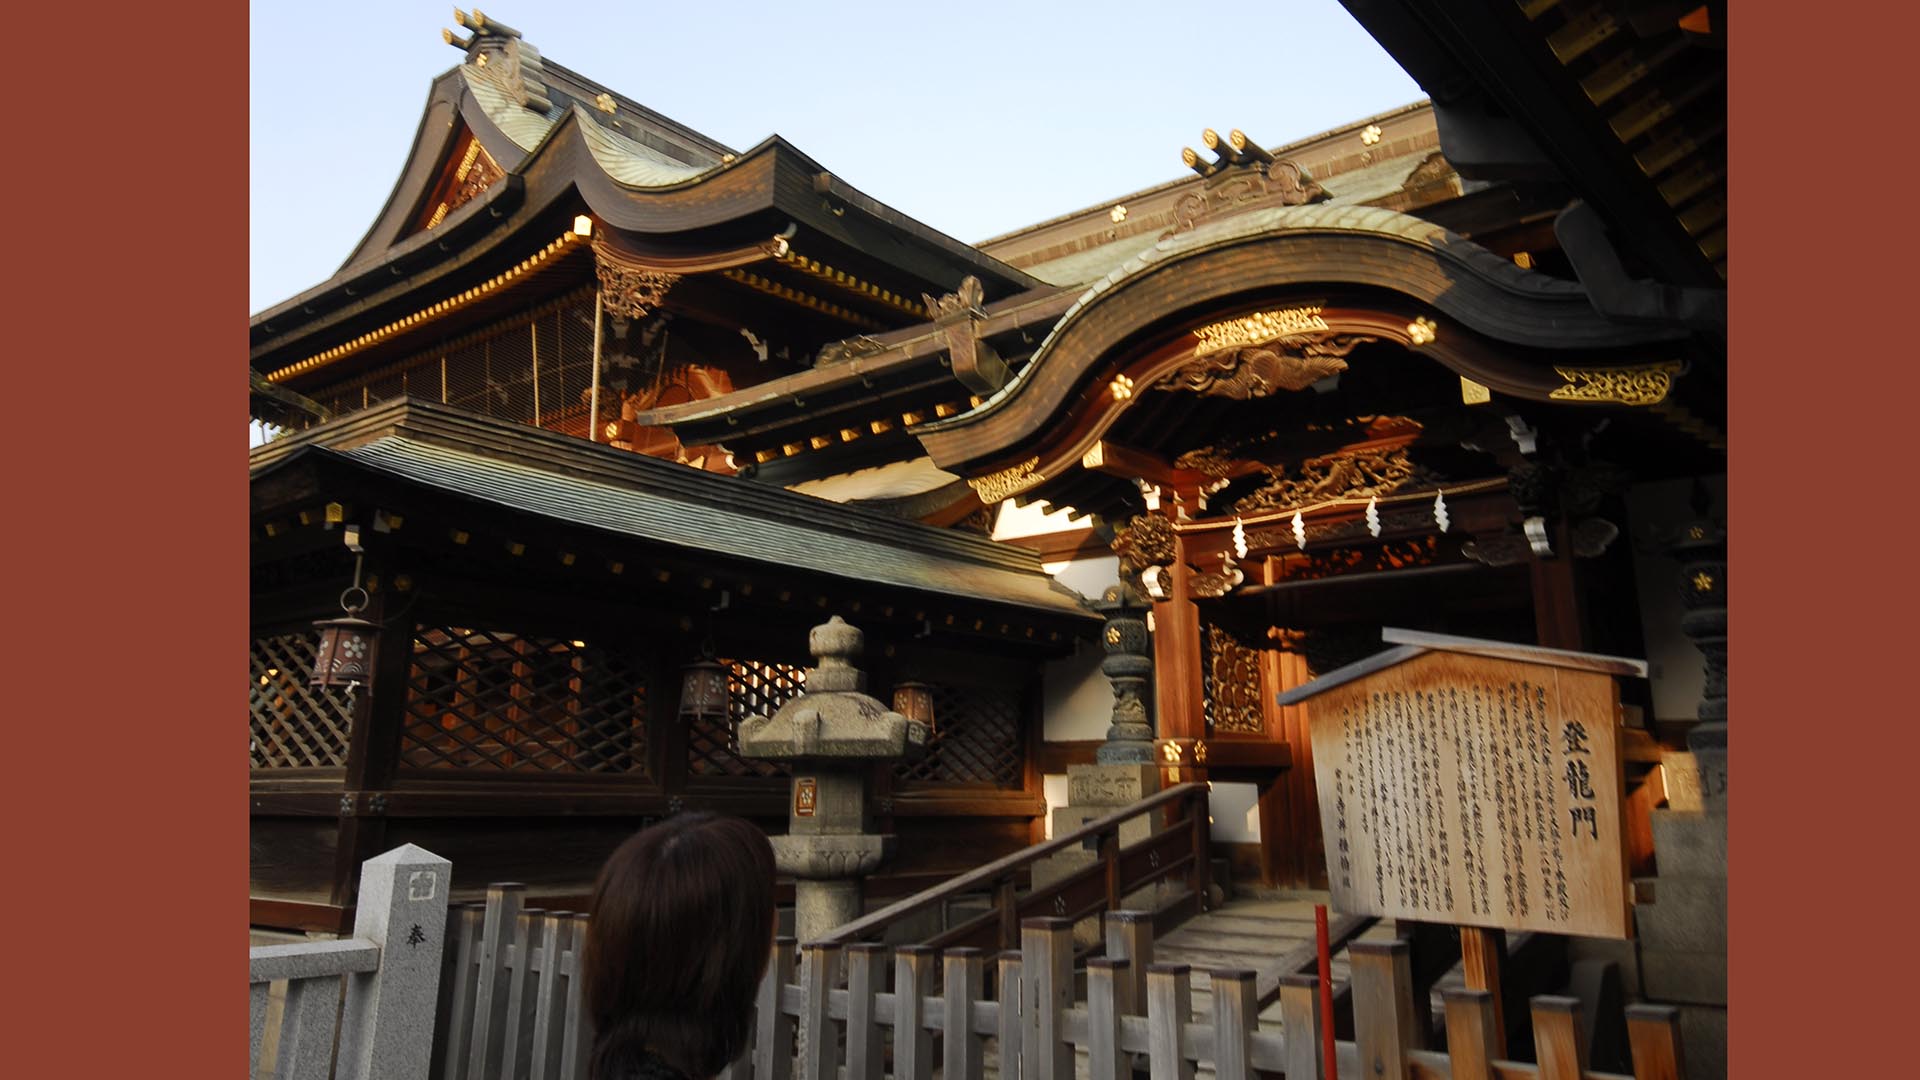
x,y
1682,775
1703,1041
1111,786
1694,978
1054,867
1068,818
1713,779
1690,844
1686,913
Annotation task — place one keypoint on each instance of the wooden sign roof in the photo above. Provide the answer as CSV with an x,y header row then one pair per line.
x,y
1411,643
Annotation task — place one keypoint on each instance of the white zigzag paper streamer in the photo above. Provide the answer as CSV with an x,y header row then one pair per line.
x,y
1239,539
1373,514
1440,510
1299,531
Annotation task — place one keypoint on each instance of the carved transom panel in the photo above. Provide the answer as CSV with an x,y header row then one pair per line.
x,y
1233,685
1336,476
1253,371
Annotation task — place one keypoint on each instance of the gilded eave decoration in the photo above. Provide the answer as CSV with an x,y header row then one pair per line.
x,y
625,289
1258,329
476,173
996,486
1647,384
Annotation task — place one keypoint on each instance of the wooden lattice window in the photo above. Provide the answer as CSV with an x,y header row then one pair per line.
x,y
489,700
976,739
292,725
754,688
1230,686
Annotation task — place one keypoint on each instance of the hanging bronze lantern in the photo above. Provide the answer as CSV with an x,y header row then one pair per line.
x,y
703,689
345,656
914,700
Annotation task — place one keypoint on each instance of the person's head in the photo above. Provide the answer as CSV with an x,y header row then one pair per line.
x,y
681,931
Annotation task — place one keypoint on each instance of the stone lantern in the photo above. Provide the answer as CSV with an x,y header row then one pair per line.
x,y
833,734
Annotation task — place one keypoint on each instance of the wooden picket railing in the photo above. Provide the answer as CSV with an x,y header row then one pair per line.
x,y
1179,851
510,995
1026,1017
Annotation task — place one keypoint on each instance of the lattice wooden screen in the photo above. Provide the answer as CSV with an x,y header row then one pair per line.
x,y
976,739
754,688
488,700
293,726
1230,685
534,367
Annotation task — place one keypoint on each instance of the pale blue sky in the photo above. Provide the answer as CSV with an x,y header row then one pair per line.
x,y
976,118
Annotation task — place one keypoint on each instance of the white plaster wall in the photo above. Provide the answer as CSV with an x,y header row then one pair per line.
x,y
1677,670
1053,787
1076,698
1236,812
1033,519
1088,577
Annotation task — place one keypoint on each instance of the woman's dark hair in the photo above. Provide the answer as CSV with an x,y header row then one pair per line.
x,y
681,931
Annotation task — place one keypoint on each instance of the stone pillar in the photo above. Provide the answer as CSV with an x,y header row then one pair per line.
x,y
1125,769
1128,667
1702,551
833,734
1681,916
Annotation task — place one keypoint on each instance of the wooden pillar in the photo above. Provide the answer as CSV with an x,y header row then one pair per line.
x,y
1177,656
1482,954
373,743
1559,617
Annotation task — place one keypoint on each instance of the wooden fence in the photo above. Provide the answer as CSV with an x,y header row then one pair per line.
x,y
355,1009
946,1011
510,996
904,1012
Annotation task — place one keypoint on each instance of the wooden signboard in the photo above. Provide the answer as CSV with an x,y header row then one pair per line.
x,y
1475,783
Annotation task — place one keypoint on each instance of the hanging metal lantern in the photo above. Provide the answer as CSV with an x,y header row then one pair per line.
x,y
703,688
345,657
914,700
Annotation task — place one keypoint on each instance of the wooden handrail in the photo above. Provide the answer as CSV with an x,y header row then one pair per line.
x,y
1000,870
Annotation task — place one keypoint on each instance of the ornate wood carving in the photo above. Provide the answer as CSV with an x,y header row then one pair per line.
x,y
1433,169
1217,582
1392,555
1336,476
1293,363
625,289
979,522
1281,182
957,317
1234,685
1206,460
1354,531
1647,384
853,348
476,173
1144,541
